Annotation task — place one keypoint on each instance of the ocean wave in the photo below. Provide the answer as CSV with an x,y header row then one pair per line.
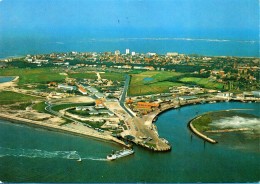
x,y
36,153
169,38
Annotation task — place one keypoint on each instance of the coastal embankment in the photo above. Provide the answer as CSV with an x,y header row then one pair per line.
x,y
47,126
195,131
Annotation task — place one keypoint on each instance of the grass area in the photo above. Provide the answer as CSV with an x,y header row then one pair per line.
x,y
81,113
8,97
113,76
40,107
156,75
83,75
94,124
203,123
158,84
21,106
154,88
204,82
65,106
160,81
36,75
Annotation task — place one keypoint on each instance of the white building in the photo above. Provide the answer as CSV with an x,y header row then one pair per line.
x,y
225,95
127,51
117,52
151,53
133,53
67,87
172,54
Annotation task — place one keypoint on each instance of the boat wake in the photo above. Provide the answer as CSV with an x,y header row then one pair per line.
x,y
36,153
95,159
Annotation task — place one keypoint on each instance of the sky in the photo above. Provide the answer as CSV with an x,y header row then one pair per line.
x,y
130,18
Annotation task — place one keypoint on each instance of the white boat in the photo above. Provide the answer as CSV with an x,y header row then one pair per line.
x,y
119,154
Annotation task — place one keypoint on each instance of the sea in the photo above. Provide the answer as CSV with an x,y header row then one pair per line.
x,y
29,154
21,46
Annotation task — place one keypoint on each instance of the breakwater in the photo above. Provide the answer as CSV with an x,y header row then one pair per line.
x,y
196,132
230,130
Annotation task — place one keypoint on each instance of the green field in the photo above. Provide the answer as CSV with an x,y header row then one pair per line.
x,y
83,75
160,81
204,82
154,88
159,84
8,97
40,107
113,76
37,75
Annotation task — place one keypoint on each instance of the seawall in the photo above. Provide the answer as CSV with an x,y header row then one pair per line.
x,y
195,131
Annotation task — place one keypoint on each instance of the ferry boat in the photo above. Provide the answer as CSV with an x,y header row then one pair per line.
x,y
119,154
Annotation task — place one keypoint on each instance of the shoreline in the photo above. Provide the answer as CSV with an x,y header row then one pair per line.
x,y
9,84
15,78
172,107
106,138
191,127
57,128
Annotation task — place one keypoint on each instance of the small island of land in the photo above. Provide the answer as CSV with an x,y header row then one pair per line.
x,y
204,124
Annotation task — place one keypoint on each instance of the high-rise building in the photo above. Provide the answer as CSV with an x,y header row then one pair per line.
x,y
127,51
133,53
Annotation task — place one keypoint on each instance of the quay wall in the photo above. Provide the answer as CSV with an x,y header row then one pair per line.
x,y
162,149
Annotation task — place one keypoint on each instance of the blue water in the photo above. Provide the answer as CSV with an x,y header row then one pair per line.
x,y
6,79
211,47
35,155
148,79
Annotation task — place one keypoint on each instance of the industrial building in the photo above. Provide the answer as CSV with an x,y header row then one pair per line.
x,y
67,87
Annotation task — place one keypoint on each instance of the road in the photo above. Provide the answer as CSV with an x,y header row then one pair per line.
x,y
123,96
